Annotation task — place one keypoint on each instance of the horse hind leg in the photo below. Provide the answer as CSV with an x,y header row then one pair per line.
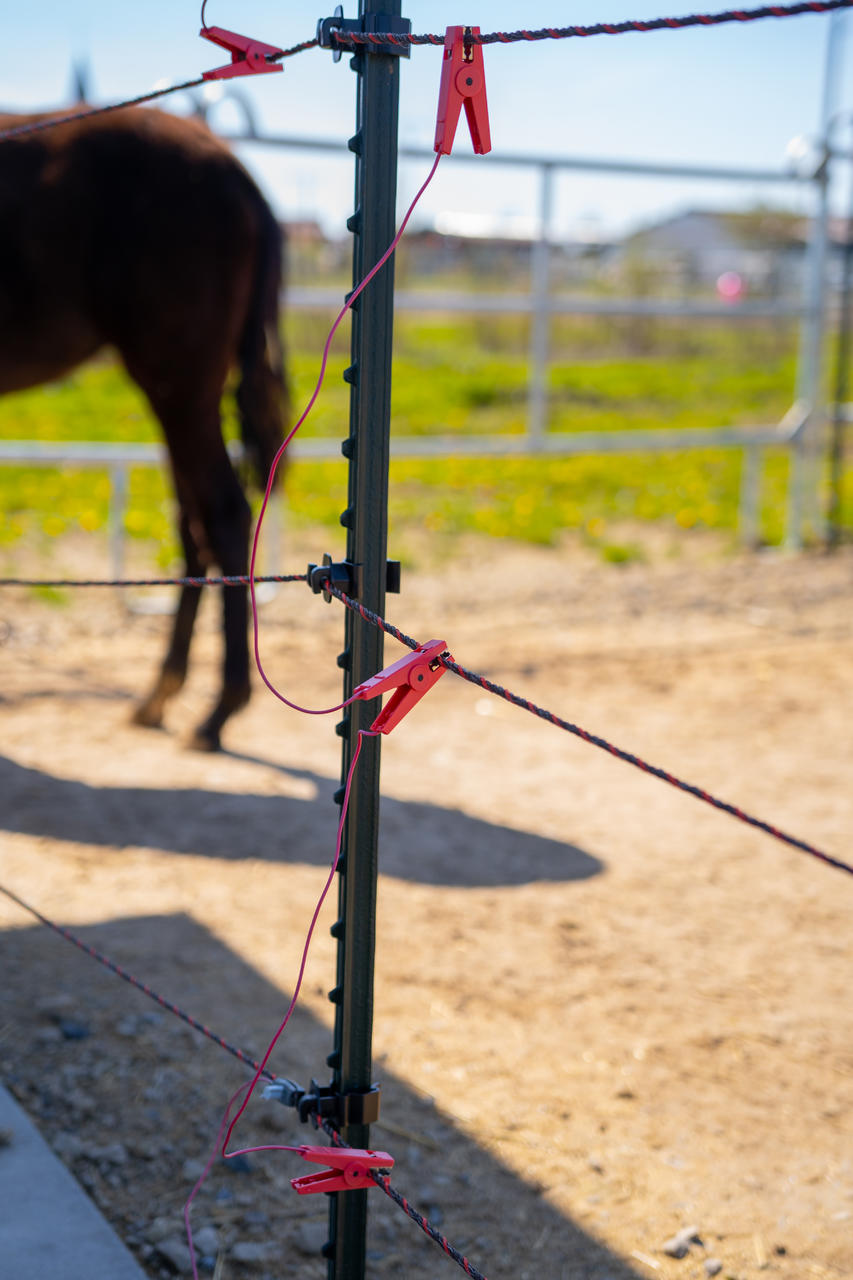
x,y
173,672
235,684
226,517
226,525
215,521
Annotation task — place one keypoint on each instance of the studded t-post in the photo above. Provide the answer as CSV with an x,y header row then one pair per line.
x,y
366,522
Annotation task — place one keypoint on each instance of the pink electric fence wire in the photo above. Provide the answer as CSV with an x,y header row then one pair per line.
x,y
203,1176
227,1124
323,363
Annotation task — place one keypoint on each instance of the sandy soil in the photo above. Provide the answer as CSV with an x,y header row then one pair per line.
x,y
604,1011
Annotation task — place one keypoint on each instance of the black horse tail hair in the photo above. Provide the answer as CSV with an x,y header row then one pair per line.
x,y
262,392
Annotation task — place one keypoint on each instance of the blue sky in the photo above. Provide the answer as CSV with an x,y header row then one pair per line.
x,y
734,95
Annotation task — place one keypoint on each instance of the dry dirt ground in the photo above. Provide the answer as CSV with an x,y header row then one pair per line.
x,y
604,1012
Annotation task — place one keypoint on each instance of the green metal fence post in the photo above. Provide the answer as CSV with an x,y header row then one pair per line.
x,y
366,521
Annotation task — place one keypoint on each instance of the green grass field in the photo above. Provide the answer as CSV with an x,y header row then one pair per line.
x,y
466,376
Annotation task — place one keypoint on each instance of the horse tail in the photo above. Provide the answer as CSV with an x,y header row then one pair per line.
x,y
262,392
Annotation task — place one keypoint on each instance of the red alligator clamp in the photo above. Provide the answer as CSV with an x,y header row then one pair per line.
x,y
248,56
463,80
349,1169
411,677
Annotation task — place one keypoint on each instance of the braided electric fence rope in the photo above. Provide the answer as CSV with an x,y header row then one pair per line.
x,y
373,618
297,48
349,38
383,1181
233,580
135,982
526,705
36,126
22,130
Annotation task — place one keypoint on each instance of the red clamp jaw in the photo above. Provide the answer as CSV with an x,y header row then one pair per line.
x,y
248,56
463,80
349,1171
411,677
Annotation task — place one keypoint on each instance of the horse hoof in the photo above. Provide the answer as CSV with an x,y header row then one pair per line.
x,y
148,716
204,740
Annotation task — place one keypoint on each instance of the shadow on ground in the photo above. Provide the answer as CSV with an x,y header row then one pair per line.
x,y
134,1075
281,829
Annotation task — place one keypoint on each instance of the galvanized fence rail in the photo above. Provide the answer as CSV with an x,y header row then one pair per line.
x,y
800,432
119,459
541,303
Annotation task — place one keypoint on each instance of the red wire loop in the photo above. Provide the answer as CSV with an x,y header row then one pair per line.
x,y
360,287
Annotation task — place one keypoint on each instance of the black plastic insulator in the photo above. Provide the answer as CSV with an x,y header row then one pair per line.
x,y
348,518
354,222
344,660
338,797
341,575
337,929
342,727
370,22
348,447
350,374
326,1103
336,995
354,143
333,1060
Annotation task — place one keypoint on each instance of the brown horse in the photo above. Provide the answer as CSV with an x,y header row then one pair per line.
x,y
139,231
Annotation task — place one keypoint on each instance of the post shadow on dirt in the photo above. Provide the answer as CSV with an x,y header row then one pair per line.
x,y
149,1082
423,843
